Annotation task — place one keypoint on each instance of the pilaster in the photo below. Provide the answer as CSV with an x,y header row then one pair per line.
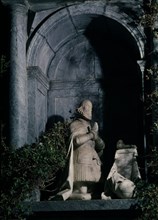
x,y
38,86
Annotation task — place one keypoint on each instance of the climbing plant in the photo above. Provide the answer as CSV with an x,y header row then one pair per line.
x,y
29,167
148,190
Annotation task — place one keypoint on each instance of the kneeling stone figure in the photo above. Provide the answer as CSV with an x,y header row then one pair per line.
x,y
123,174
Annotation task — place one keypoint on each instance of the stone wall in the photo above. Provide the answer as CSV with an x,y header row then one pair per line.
x,y
80,49
37,103
60,43
63,52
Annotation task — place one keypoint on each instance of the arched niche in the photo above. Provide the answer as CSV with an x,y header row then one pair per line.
x,y
90,51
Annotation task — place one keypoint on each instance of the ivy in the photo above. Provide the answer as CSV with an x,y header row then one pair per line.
x,y
148,201
147,191
150,16
29,167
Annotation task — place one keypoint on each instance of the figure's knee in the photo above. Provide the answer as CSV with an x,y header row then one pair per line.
x,y
119,187
125,189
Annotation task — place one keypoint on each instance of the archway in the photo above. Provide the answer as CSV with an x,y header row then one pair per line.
x,y
84,51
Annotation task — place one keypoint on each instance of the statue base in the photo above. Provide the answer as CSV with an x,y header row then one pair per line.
x,y
112,209
80,196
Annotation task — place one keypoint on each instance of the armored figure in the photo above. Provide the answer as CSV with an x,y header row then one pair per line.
x,y
85,150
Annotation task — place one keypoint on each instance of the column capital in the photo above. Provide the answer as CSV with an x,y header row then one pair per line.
x,y
17,5
11,2
19,8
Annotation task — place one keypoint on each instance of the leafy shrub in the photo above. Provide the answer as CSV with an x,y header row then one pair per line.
x,y
148,201
148,190
26,168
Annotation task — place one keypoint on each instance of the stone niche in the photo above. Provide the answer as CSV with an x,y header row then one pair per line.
x,y
85,50
72,51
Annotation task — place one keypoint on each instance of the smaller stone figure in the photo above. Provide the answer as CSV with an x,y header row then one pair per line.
x,y
120,182
85,149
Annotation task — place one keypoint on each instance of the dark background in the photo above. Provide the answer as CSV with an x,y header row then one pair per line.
x,y
4,70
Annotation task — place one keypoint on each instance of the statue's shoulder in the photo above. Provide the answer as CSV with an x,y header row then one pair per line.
x,y
75,123
78,126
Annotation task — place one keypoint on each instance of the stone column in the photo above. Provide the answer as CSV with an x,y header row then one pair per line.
x,y
18,77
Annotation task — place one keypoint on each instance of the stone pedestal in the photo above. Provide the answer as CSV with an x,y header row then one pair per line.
x,y
115,209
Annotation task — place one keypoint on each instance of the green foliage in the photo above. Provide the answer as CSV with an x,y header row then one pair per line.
x,y
148,191
153,166
152,97
30,166
150,15
148,201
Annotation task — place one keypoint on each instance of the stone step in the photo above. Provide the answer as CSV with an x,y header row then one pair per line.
x,y
120,209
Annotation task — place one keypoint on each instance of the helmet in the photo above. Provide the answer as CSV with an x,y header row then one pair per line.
x,y
85,109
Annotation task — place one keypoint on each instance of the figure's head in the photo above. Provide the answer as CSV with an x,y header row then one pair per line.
x,y
85,109
120,144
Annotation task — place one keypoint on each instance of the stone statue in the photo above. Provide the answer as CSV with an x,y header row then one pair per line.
x,y
85,150
124,173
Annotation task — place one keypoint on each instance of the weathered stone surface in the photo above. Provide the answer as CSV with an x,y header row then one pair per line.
x,y
38,85
77,48
93,205
112,209
18,78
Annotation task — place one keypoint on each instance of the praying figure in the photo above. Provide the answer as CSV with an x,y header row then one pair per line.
x,y
86,147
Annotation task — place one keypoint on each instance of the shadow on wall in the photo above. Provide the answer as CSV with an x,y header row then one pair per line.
x,y
53,119
121,82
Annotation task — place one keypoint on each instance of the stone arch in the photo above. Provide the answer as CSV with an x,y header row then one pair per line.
x,y
41,49
136,31
55,41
